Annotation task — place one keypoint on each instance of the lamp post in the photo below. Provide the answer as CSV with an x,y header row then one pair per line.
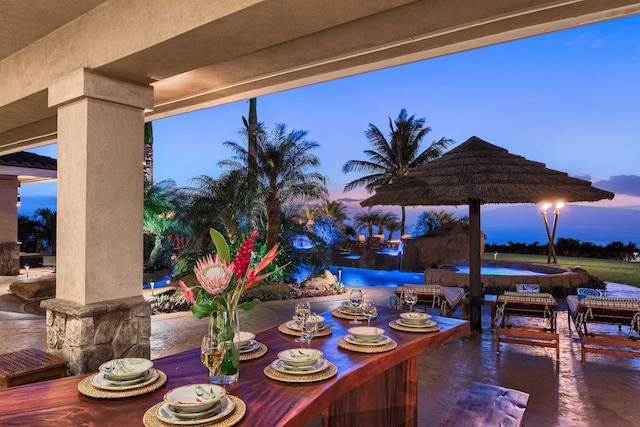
x,y
551,234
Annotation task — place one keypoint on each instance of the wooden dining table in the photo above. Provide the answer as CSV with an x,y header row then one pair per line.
x,y
369,389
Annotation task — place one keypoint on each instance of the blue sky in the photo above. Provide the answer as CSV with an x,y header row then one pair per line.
x,y
568,99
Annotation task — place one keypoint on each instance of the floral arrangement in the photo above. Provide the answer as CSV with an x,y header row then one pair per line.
x,y
223,279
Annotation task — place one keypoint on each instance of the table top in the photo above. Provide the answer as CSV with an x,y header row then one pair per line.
x,y
58,402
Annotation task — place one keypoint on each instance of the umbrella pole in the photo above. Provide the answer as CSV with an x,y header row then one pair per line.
x,y
475,285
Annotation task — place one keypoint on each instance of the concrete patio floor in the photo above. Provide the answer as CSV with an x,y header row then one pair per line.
x,y
603,392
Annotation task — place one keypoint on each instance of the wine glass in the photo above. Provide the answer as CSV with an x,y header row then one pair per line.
x,y
369,309
211,355
303,308
410,297
355,298
309,328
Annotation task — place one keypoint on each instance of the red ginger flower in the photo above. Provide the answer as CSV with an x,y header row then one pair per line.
x,y
243,256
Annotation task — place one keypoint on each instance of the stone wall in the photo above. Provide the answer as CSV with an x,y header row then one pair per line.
x,y
89,335
447,244
9,259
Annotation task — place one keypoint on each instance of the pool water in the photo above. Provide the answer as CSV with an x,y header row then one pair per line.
x,y
499,271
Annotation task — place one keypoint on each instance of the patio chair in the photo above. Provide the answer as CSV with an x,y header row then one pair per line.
x,y
446,298
529,309
605,324
373,244
382,240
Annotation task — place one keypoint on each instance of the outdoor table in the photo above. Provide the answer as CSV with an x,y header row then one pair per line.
x,y
379,389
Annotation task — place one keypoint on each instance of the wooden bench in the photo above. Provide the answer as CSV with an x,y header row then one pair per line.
x,y
488,405
599,322
29,366
530,307
445,298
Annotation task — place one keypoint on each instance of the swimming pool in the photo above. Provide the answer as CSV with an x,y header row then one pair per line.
x,y
499,271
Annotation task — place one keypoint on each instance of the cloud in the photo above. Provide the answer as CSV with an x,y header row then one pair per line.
x,y
621,184
349,200
587,38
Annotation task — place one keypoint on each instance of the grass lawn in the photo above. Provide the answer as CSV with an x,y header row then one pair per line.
x,y
609,270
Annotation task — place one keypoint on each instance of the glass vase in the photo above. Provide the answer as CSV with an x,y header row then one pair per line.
x,y
224,326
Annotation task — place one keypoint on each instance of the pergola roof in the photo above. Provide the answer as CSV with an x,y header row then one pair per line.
x,y
29,167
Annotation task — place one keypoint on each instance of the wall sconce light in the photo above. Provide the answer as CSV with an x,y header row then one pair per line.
x,y
18,202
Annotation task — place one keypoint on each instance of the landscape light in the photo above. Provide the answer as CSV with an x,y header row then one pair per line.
x,y
551,234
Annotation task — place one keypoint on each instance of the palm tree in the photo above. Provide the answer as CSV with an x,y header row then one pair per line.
x,y
387,220
223,201
394,157
282,163
159,215
367,220
334,210
47,219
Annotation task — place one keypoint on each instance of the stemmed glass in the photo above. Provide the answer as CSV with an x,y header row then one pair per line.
x,y
410,297
211,355
309,328
303,308
355,298
369,309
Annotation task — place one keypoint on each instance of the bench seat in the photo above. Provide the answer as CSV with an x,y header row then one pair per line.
x,y
606,325
487,405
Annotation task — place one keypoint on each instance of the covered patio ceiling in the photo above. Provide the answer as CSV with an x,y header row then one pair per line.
x,y
198,54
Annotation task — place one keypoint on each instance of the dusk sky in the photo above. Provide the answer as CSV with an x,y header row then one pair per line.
x,y
569,99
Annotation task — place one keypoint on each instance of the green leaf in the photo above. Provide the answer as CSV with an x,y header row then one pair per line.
x,y
248,305
202,310
222,247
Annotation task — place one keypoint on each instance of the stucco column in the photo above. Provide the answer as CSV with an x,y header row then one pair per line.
x,y
99,312
9,248
100,186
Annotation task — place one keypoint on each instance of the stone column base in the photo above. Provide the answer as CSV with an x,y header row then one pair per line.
x,y
89,335
9,259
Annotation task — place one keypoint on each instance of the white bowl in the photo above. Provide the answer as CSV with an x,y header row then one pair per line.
x,y
319,319
300,356
415,317
125,369
366,333
244,338
194,397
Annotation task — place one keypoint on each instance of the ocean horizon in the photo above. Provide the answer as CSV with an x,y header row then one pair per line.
x,y
513,223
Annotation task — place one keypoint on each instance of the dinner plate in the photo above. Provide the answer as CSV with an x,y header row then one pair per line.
x,y
428,324
253,345
380,341
291,324
281,366
99,381
193,415
226,407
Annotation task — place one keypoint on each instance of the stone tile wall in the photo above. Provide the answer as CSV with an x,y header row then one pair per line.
x,y
89,335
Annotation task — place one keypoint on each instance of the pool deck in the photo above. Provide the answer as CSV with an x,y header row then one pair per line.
x,y
602,392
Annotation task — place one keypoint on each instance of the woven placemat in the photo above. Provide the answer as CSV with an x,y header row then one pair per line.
x,y
258,352
274,374
337,313
342,343
151,419
288,331
395,325
88,389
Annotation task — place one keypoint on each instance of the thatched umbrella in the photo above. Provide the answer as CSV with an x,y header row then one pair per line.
x,y
477,172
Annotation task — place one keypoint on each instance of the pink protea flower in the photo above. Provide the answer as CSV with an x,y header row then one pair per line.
x,y
213,274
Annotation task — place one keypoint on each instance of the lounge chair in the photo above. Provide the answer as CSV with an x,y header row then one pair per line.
x,y
531,308
446,298
599,321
